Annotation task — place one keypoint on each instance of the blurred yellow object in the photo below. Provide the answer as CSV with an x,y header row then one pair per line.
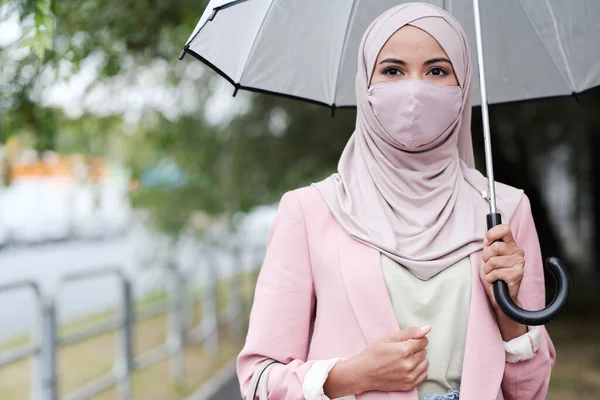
x,y
13,147
55,165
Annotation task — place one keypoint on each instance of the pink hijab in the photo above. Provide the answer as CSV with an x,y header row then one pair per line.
x,y
423,209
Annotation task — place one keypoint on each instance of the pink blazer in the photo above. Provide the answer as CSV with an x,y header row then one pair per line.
x,y
321,295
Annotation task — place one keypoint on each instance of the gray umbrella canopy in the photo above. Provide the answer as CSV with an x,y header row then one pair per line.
x,y
308,48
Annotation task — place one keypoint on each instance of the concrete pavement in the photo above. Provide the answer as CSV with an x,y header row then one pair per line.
x,y
223,386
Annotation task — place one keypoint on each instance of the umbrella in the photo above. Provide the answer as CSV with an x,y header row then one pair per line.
x,y
535,48
278,47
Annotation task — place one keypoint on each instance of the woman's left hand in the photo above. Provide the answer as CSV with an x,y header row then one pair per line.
x,y
502,260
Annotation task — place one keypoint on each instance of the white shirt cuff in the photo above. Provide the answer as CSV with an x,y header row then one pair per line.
x,y
315,378
523,347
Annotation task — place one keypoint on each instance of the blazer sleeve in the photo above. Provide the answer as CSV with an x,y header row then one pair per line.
x,y
529,379
280,320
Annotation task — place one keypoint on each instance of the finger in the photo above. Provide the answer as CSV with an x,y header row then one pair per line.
x,y
409,333
499,232
421,369
414,345
409,363
421,378
418,357
511,276
499,249
414,369
501,262
408,348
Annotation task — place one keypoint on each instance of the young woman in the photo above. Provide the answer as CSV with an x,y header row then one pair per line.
x,y
377,280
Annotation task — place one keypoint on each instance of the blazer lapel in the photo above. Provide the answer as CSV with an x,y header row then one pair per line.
x,y
366,288
367,291
483,363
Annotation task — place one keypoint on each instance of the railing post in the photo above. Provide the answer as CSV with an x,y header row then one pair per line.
x,y
189,310
36,382
176,323
125,364
210,307
47,376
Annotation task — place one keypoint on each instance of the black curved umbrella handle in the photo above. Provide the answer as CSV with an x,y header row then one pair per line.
x,y
540,317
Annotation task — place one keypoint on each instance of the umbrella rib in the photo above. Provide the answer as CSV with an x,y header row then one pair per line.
x,y
569,77
257,90
343,52
212,16
239,81
561,47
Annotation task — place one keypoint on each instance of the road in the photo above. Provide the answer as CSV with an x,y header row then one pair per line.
x,y
222,386
140,256
229,391
46,264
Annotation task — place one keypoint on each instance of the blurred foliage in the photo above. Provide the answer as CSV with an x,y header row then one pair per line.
x,y
230,167
59,36
243,164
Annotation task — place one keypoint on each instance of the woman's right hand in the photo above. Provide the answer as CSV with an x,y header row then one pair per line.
x,y
396,362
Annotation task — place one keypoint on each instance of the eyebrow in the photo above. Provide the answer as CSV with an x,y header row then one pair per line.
x,y
437,60
402,62
393,61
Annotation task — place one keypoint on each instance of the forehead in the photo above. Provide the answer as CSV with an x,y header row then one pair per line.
x,y
410,43
410,31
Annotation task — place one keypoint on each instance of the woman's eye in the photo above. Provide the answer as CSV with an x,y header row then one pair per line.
x,y
438,71
392,71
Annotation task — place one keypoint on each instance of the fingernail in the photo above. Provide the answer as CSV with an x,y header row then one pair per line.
x,y
425,328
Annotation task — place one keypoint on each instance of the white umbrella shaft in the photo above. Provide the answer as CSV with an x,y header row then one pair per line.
x,y
484,110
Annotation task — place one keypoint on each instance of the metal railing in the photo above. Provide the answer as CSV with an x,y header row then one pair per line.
x,y
181,331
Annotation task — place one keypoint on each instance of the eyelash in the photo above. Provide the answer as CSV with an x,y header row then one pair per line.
x,y
443,71
387,70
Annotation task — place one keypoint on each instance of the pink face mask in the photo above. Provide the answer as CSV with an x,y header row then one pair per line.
x,y
415,112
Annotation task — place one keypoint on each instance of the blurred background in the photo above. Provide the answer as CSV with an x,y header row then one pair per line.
x,y
136,194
